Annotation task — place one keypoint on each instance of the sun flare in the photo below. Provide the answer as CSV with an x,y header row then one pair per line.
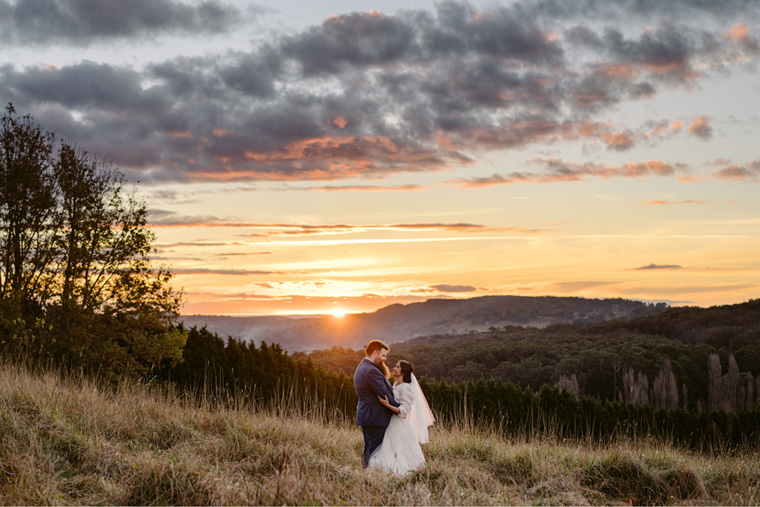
x,y
338,313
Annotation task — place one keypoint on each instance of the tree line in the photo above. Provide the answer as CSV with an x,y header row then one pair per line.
x,y
697,359
224,369
236,369
77,286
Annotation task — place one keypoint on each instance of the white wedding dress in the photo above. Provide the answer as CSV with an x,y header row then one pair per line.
x,y
400,451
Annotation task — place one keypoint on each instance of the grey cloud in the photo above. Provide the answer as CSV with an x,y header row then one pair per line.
x,y
559,170
748,172
363,39
83,22
663,45
454,288
701,128
85,85
368,95
253,74
584,36
659,266
643,9
356,39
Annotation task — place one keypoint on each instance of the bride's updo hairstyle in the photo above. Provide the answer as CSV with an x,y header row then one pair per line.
x,y
406,370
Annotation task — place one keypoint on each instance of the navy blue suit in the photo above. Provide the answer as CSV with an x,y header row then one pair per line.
x,y
372,415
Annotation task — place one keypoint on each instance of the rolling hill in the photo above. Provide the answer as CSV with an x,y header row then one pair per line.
x,y
398,323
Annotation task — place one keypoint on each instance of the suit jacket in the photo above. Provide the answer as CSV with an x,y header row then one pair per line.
x,y
370,383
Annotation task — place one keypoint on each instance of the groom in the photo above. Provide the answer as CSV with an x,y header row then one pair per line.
x,y
370,382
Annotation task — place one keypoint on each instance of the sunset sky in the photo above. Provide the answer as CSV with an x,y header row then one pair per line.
x,y
313,157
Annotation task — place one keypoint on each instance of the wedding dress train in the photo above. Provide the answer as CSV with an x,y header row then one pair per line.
x,y
400,451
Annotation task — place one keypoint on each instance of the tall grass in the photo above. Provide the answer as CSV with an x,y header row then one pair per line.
x,y
68,439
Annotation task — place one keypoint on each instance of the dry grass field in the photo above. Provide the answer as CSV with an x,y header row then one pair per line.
x,y
70,441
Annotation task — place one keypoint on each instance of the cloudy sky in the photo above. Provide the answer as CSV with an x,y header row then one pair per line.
x,y
307,157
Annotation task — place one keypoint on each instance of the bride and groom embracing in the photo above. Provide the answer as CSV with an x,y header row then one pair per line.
x,y
394,420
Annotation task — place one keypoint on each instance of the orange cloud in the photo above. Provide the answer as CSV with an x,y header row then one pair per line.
x,y
589,129
618,140
618,71
739,34
668,203
366,188
700,127
558,170
327,147
750,172
623,139
212,271
635,170
281,229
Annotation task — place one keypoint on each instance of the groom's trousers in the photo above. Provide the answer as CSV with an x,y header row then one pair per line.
x,y
373,437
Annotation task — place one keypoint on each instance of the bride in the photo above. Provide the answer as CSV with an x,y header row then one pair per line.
x,y
400,451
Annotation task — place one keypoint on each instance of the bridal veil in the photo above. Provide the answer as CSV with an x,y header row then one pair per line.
x,y
420,416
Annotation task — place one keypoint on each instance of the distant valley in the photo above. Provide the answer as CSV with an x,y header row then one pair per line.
x,y
398,323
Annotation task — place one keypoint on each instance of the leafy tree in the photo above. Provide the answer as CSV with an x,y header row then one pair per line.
x,y
26,209
76,282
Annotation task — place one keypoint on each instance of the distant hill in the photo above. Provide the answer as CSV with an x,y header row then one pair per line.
x,y
398,323
608,360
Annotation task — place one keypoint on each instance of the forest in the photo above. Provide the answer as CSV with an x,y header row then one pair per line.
x,y
698,359
214,367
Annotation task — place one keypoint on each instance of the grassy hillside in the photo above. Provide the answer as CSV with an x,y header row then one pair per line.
x,y
72,441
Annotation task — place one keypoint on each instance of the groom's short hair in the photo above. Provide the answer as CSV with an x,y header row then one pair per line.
x,y
375,345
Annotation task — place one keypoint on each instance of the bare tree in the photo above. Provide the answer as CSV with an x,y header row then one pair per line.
x,y
714,383
635,387
750,403
731,386
569,384
665,388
